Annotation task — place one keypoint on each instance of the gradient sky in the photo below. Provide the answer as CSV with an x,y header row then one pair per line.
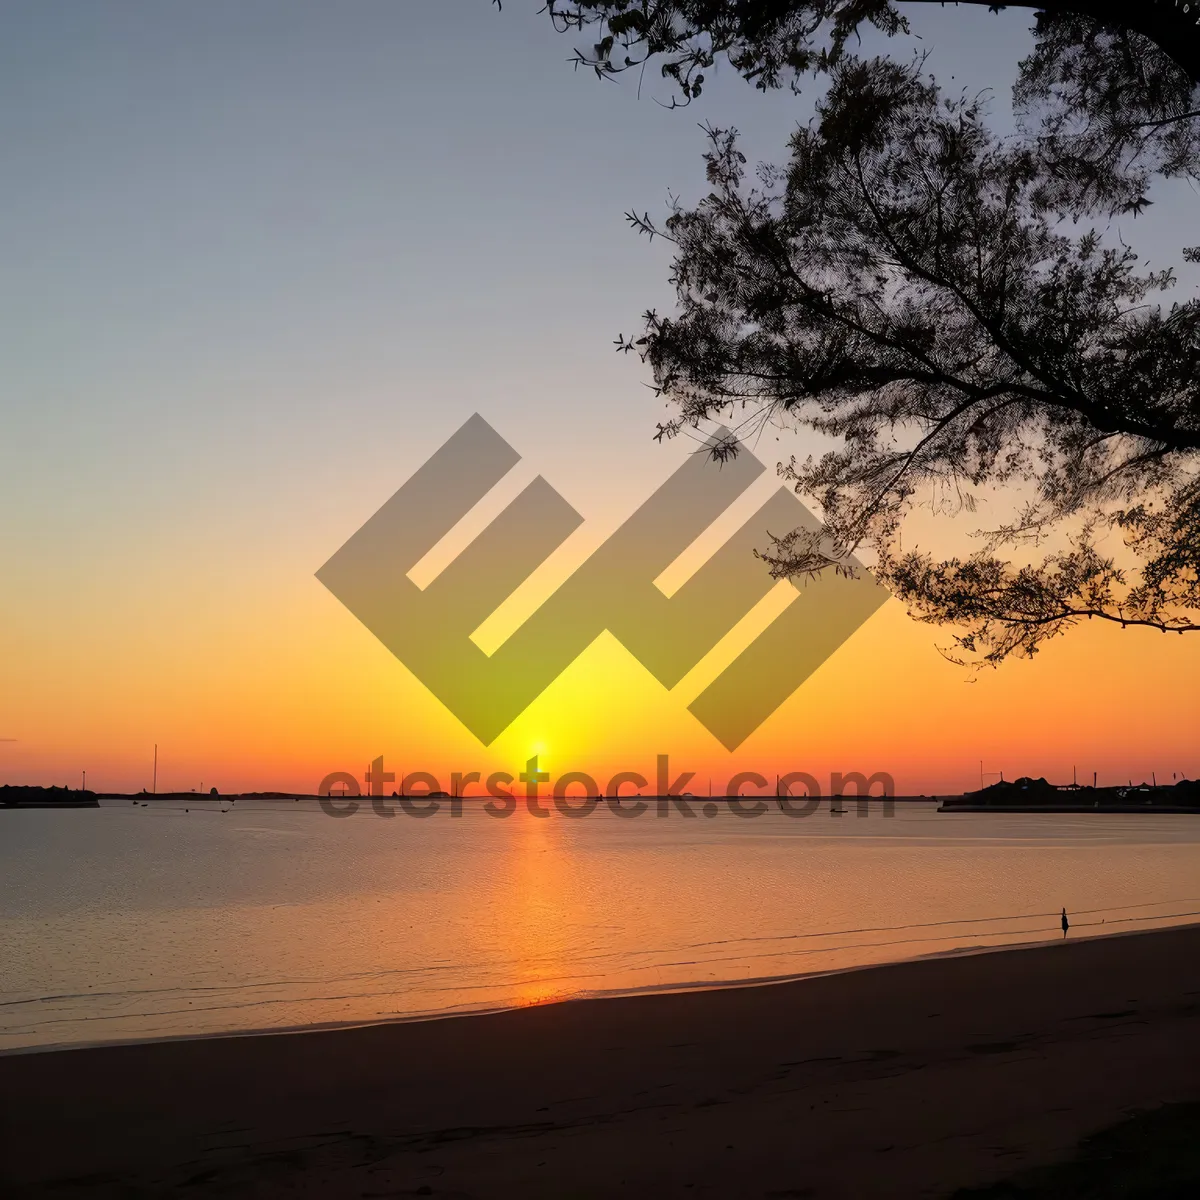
x,y
260,261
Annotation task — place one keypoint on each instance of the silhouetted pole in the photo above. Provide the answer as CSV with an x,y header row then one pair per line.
x,y
154,785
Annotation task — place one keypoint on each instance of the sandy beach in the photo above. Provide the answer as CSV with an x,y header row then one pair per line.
x,y
906,1080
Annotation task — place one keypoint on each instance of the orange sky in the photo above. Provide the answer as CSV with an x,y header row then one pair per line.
x,y
273,686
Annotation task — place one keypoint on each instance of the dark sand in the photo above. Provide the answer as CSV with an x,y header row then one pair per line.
x,y
907,1080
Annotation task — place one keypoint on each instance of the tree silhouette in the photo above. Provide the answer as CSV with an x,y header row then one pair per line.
x,y
908,285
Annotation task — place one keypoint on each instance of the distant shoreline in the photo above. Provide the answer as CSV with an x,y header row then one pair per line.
x,y
1107,800
948,806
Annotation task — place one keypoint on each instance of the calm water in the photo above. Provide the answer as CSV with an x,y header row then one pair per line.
x,y
130,922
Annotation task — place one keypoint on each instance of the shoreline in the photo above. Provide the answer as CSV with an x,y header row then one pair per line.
x,y
947,805
909,1078
1096,809
687,989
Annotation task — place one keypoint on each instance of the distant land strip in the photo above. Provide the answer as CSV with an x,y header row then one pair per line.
x,y
1022,796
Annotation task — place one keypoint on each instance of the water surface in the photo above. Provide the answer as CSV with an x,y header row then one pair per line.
x,y
129,922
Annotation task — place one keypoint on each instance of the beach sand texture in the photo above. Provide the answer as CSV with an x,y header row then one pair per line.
x,y
903,1080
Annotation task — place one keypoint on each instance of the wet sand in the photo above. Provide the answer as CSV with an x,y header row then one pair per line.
x,y
904,1080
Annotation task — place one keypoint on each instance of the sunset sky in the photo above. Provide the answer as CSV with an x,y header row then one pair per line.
x,y
261,261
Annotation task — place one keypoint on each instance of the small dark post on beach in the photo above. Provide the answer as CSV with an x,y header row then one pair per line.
x,y
1065,923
